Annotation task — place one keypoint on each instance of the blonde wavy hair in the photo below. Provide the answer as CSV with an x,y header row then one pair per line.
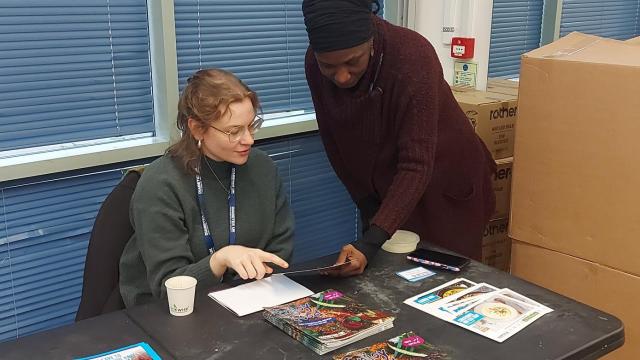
x,y
205,99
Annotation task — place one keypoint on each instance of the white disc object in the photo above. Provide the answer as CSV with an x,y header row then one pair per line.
x,y
401,242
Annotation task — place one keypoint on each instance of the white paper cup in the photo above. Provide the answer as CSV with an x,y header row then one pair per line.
x,y
181,291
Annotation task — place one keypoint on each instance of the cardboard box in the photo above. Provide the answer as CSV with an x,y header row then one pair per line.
x,y
604,288
496,245
576,170
502,187
493,117
503,86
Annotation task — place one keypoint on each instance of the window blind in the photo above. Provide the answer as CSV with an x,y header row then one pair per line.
x,y
325,217
44,233
616,19
73,70
515,30
263,42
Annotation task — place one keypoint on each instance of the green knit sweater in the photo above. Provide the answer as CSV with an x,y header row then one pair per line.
x,y
168,239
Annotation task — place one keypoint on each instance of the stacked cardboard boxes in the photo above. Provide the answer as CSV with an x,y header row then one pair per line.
x,y
496,245
493,114
575,209
502,187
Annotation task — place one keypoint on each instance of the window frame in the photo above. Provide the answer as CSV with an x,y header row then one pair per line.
x,y
551,17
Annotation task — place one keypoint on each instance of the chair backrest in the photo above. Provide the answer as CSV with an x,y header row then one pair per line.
x,y
111,232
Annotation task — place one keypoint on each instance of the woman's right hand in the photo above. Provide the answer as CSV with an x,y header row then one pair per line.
x,y
249,263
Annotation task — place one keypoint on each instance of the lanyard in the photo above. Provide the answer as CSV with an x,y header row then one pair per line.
x,y
208,237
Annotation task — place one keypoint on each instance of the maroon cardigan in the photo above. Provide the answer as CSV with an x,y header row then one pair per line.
x,y
400,137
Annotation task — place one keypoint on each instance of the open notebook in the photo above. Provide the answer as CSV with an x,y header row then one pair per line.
x,y
255,296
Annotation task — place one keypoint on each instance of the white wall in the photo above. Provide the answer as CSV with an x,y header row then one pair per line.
x,y
474,21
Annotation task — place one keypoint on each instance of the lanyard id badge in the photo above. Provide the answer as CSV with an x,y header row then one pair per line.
x,y
231,200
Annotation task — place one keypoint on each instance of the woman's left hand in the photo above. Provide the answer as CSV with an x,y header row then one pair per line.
x,y
356,265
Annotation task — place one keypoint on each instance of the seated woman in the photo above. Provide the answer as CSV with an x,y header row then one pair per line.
x,y
211,203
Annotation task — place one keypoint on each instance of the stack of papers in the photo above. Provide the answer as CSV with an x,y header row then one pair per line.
x,y
407,346
482,308
255,296
327,320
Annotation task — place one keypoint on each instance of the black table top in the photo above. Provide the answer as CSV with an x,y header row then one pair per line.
x,y
572,331
85,338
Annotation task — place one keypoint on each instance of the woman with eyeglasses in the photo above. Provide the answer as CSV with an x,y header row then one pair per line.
x,y
212,207
394,133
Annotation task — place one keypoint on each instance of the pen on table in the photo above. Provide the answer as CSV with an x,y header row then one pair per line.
x,y
435,264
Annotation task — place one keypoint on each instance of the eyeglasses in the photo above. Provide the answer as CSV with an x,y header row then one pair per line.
x,y
237,132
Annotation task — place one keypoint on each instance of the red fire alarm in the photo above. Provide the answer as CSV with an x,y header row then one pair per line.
x,y
462,48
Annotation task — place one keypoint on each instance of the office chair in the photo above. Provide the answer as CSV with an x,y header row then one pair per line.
x,y
111,232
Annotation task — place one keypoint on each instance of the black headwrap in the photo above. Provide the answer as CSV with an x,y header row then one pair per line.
x,y
337,24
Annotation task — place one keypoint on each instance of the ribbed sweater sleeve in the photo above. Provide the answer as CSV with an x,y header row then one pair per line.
x,y
418,99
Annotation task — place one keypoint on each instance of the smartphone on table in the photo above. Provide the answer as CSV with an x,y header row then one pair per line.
x,y
438,259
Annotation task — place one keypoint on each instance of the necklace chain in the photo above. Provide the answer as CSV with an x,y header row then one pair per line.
x,y
214,174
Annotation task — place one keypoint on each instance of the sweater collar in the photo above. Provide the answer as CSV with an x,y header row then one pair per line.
x,y
221,168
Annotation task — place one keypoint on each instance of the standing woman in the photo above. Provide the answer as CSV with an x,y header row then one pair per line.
x,y
394,133
211,205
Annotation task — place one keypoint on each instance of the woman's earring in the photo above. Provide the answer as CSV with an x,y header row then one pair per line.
x,y
199,143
